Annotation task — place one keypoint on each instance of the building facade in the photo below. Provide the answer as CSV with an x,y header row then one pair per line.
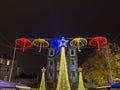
x,y
5,68
53,64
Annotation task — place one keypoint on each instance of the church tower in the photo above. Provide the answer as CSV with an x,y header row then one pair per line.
x,y
53,64
51,69
72,60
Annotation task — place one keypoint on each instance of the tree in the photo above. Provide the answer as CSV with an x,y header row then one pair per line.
x,y
115,60
63,79
42,84
97,68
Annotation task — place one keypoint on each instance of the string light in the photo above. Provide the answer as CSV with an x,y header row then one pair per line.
x,y
41,43
24,43
78,43
57,43
98,42
63,79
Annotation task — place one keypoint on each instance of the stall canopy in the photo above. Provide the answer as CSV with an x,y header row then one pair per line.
x,y
115,85
7,84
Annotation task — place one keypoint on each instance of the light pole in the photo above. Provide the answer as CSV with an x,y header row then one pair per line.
x,y
12,65
110,69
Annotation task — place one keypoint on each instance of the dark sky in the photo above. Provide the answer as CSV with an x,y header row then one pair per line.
x,y
49,19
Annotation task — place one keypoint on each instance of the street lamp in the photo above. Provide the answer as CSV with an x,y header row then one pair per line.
x,y
12,65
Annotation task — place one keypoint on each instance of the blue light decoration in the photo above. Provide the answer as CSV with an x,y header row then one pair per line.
x,y
57,43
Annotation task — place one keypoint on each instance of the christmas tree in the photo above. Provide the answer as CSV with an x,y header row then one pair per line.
x,y
42,84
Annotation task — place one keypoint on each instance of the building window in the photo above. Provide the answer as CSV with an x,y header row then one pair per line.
x,y
7,69
73,68
51,74
51,63
72,52
51,52
1,61
8,62
5,78
73,74
72,62
58,65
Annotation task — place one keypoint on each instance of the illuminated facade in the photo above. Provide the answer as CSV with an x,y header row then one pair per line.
x,y
53,65
5,66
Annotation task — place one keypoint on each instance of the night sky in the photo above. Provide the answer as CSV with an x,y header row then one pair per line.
x,y
50,19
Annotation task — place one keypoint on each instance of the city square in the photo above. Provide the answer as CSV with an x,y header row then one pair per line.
x,y
59,45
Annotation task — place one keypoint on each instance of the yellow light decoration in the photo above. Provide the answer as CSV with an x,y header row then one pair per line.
x,y
42,84
63,79
80,84
41,43
78,43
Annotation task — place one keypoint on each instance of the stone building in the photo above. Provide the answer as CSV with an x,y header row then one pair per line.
x,y
53,64
5,68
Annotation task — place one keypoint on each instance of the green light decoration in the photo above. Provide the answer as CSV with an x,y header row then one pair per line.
x,y
42,84
80,83
78,43
41,43
63,80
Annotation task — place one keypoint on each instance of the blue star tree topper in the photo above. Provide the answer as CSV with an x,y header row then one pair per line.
x,y
58,43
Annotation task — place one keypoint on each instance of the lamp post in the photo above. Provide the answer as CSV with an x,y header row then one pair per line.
x,y
12,65
110,69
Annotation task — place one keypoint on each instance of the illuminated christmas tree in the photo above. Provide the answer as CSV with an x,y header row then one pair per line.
x,y
42,84
80,84
63,80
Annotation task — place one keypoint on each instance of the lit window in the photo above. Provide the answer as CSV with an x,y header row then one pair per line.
x,y
1,60
8,62
73,74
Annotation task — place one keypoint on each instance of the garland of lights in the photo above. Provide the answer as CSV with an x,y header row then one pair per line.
x,y
98,42
78,43
57,43
63,79
41,43
24,43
